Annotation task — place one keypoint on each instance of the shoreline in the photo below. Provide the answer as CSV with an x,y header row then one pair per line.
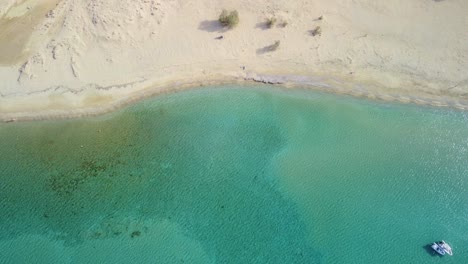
x,y
73,59
312,83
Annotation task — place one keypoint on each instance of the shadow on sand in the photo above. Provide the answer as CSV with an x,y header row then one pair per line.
x,y
269,48
212,26
262,25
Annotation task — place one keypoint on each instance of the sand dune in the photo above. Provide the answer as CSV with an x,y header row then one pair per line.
x,y
73,57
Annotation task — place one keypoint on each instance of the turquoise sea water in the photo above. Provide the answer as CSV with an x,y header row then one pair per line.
x,y
237,175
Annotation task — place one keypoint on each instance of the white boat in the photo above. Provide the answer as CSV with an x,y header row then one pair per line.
x,y
446,247
438,249
442,248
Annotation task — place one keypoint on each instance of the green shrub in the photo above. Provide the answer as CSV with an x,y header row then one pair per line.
x,y
317,31
270,22
229,19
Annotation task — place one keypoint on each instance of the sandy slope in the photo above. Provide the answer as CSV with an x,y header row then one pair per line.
x,y
69,57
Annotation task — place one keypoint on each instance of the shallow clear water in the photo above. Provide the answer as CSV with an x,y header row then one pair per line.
x,y
236,175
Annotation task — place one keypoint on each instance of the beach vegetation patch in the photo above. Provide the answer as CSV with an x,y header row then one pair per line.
x,y
270,22
229,19
317,31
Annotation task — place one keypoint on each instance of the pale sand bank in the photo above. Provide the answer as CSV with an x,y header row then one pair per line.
x,y
66,58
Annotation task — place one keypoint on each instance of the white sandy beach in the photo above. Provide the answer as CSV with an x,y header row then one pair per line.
x,y
63,58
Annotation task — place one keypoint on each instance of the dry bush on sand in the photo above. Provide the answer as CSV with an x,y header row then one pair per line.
x,y
229,19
